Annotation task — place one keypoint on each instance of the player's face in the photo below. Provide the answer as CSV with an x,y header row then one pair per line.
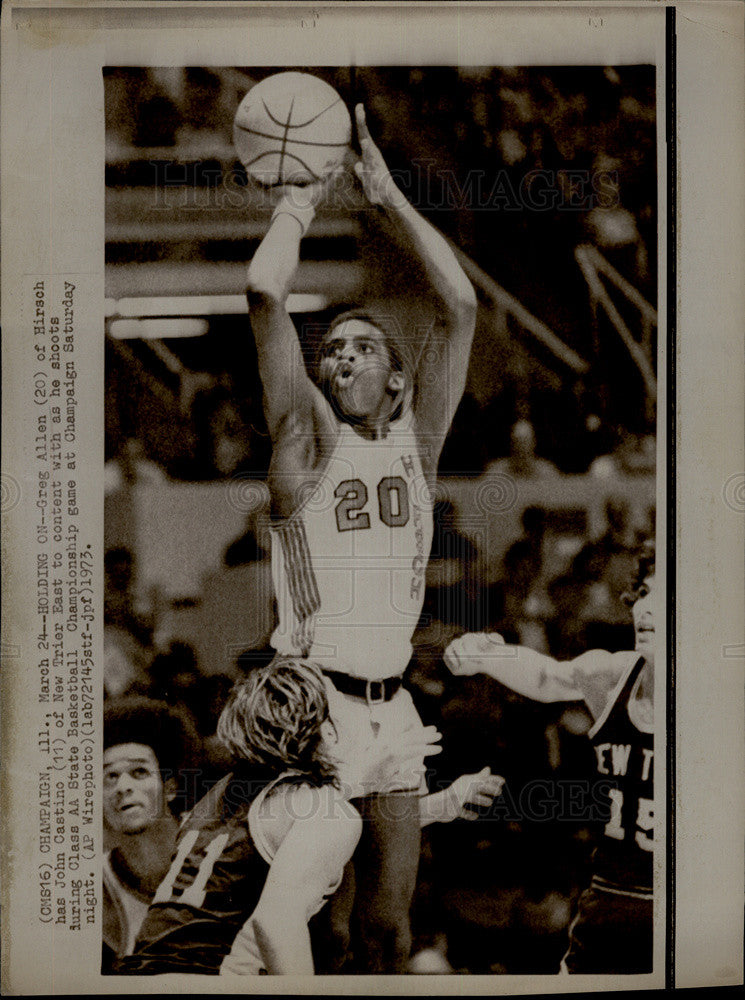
x,y
133,791
644,612
356,366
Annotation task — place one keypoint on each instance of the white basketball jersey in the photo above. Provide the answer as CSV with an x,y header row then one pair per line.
x,y
349,565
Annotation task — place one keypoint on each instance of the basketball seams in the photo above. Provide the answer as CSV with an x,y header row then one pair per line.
x,y
315,117
290,142
284,137
286,125
252,135
289,156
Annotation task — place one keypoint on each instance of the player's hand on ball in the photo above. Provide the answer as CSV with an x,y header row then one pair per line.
x,y
377,182
464,655
471,790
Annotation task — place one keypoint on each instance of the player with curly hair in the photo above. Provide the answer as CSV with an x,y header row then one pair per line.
x,y
612,930
147,748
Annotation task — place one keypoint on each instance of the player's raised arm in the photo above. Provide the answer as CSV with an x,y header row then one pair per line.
x,y
589,677
436,398
288,391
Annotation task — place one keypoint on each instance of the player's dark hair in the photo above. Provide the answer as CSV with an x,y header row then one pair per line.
x,y
380,322
645,565
272,721
167,730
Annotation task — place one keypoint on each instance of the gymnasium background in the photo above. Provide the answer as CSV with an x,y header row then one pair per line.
x,y
545,179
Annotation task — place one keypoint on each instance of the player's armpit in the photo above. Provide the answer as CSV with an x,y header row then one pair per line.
x,y
596,673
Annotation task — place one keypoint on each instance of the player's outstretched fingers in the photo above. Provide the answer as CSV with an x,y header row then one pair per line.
x,y
479,799
424,741
490,784
363,133
450,658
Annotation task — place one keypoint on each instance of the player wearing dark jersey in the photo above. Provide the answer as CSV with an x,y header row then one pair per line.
x,y
284,790
612,931
259,854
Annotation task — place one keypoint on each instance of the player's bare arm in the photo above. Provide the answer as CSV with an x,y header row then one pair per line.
x,y
309,861
436,398
297,415
589,677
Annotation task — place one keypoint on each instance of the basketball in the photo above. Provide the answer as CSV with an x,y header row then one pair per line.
x,y
292,128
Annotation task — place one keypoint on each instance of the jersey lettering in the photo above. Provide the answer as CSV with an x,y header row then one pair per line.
x,y
353,493
613,827
620,757
195,893
393,503
644,835
645,822
165,888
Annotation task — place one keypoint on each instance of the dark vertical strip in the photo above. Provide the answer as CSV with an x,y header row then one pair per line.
x,y
354,93
672,401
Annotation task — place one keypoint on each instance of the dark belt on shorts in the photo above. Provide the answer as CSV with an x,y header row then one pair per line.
x,y
358,687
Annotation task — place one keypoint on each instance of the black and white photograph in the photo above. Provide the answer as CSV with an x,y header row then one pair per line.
x,y
372,497
381,453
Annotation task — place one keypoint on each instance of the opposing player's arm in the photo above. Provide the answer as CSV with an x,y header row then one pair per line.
x,y
590,677
442,368
288,390
309,861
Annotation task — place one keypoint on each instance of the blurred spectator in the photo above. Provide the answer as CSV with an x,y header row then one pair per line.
x,y
522,463
634,455
118,596
619,537
565,628
127,635
251,546
130,466
175,678
453,571
223,431
605,565
125,663
522,569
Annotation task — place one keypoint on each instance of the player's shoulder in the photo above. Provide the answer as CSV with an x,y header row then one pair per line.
x,y
318,803
603,662
598,672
